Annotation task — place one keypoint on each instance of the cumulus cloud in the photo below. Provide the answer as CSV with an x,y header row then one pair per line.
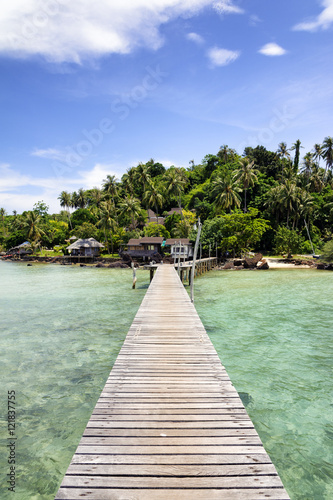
x,y
14,186
194,37
272,49
322,21
63,31
227,7
222,57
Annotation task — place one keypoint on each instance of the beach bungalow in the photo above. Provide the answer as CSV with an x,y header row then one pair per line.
x,y
85,247
144,248
180,247
152,217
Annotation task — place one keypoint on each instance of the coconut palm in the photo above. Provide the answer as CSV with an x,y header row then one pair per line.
x,y
273,202
283,153
307,164
226,190
110,186
175,181
318,152
81,198
108,221
289,198
143,175
153,197
128,181
327,152
66,202
316,178
3,213
31,225
246,175
130,207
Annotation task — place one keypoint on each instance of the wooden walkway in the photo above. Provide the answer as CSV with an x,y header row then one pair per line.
x,y
169,424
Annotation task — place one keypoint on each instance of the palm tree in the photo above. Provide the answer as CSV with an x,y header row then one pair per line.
x,y
110,186
128,180
283,153
246,175
95,197
130,207
2,215
289,198
318,151
327,152
81,198
226,190
108,221
153,197
316,179
66,202
143,175
31,225
297,148
175,181
307,164
273,202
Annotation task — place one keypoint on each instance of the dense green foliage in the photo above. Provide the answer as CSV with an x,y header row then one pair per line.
x,y
260,200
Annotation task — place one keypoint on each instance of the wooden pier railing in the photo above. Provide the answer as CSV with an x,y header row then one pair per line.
x,y
169,425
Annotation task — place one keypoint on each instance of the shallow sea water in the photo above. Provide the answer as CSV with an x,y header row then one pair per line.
x,y
273,331
62,328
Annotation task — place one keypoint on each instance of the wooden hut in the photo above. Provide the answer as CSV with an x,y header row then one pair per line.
x,y
85,247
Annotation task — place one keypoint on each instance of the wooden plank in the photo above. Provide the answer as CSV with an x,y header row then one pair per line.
x,y
169,424
174,494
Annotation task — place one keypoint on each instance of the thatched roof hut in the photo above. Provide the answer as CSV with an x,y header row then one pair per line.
x,y
87,247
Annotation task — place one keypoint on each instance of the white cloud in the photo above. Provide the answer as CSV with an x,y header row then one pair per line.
x,y
194,37
63,31
20,192
323,21
272,49
227,7
254,20
50,154
222,57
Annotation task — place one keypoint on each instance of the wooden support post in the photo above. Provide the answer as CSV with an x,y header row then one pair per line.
x,y
151,274
134,275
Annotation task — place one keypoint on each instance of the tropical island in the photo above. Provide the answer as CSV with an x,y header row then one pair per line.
x,y
270,201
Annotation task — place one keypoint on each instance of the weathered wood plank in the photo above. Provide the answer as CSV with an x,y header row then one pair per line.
x,y
174,494
169,425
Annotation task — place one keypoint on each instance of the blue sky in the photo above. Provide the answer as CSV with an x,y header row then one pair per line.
x,y
93,88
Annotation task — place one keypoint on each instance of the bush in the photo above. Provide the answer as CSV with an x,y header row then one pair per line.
x,y
288,241
327,253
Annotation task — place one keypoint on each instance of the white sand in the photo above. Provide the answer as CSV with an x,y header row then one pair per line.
x,y
277,264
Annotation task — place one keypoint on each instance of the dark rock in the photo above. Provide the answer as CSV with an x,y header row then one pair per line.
x,y
238,262
126,258
263,264
29,265
118,265
321,266
83,265
252,263
228,265
100,265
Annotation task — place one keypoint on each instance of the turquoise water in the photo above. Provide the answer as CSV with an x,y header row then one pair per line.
x,y
273,331
61,330
62,327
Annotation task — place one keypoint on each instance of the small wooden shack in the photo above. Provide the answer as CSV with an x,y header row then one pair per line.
x,y
85,247
180,247
145,248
